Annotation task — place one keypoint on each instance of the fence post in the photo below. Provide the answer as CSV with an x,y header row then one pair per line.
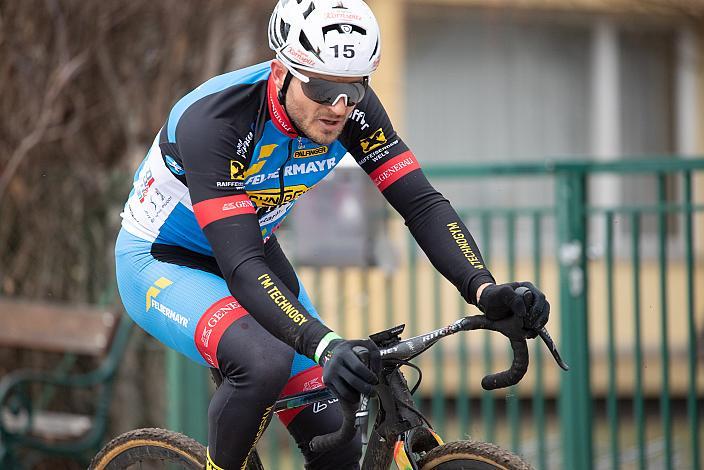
x,y
575,395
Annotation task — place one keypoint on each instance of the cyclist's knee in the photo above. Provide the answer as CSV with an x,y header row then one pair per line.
x,y
249,355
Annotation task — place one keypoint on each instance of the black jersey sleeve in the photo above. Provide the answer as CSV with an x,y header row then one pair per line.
x,y
215,175
436,226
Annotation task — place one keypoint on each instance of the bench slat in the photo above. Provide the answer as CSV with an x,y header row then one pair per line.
x,y
51,328
49,425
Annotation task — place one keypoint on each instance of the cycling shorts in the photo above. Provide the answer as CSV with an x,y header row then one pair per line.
x,y
185,308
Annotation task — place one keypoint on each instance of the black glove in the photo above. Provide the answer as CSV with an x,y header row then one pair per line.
x,y
344,372
500,301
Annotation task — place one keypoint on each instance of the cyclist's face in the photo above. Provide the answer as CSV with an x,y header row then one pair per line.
x,y
322,123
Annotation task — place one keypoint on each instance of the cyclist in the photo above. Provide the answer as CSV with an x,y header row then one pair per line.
x,y
199,266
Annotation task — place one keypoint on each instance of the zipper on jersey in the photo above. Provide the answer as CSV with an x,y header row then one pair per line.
x,y
281,172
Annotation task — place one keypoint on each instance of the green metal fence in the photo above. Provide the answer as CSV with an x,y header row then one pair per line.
x,y
621,279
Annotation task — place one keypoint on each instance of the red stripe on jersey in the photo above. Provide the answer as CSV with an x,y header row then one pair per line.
x,y
210,210
391,171
213,324
309,379
277,112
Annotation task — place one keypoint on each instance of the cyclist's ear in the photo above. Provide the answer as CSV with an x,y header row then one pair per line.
x,y
278,72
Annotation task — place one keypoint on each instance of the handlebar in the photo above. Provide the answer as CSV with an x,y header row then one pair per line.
x,y
345,434
519,366
511,327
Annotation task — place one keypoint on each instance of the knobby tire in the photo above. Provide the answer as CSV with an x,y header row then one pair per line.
x,y
150,444
154,444
472,455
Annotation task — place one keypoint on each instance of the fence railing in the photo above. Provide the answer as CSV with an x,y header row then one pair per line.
x,y
621,278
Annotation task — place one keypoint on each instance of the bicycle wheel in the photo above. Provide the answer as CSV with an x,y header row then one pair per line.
x,y
150,448
472,455
154,448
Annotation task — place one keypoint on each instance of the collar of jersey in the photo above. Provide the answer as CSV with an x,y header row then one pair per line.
x,y
277,111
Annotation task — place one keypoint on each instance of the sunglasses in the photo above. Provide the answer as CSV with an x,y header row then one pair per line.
x,y
328,92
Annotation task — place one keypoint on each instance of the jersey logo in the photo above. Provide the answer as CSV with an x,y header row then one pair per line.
x,y
374,141
146,183
174,166
359,117
161,283
212,210
272,214
213,324
272,197
236,170
322,406
265,151
312,384
234,205
392,170
153,291
305,153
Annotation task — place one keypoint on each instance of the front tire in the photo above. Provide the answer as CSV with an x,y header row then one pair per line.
x,y
151,446
472,455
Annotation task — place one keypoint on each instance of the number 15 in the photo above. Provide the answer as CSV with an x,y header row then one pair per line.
x,y
347,51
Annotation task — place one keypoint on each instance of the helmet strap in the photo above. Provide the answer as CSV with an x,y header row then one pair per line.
x,y
282,100
284,88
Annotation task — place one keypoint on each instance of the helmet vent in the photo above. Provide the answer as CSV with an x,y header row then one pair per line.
x,y
303,39
309,10
285,28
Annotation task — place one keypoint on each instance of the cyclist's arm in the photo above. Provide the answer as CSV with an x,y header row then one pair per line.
x,y
435,225
439,231
278,262
228,219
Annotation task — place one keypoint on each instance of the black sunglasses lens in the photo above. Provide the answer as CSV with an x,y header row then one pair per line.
x,y
327,92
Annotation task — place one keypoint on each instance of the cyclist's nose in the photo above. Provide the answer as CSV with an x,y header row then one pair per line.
x,y
340,108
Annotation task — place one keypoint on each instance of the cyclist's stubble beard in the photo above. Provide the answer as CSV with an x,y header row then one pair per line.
x,y
306,115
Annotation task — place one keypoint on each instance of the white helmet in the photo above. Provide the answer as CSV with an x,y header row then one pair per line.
x,y
331,37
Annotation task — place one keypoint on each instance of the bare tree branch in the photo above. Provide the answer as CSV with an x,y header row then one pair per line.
x,y
59,81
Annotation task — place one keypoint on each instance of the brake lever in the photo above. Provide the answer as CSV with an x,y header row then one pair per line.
x,y
362,418
481,322
547,339
543,333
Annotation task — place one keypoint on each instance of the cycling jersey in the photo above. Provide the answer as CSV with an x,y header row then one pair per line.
x,y
199,267
228,166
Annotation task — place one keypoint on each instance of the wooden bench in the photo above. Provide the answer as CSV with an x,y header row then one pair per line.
x,y
73,331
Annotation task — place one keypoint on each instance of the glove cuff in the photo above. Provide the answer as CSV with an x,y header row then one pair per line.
x,y
320,352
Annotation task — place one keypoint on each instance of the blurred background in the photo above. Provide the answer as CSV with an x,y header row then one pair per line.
x,y
568,134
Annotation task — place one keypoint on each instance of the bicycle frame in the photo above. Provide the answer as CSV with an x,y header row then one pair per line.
x,y
399,428
397,424
400,431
